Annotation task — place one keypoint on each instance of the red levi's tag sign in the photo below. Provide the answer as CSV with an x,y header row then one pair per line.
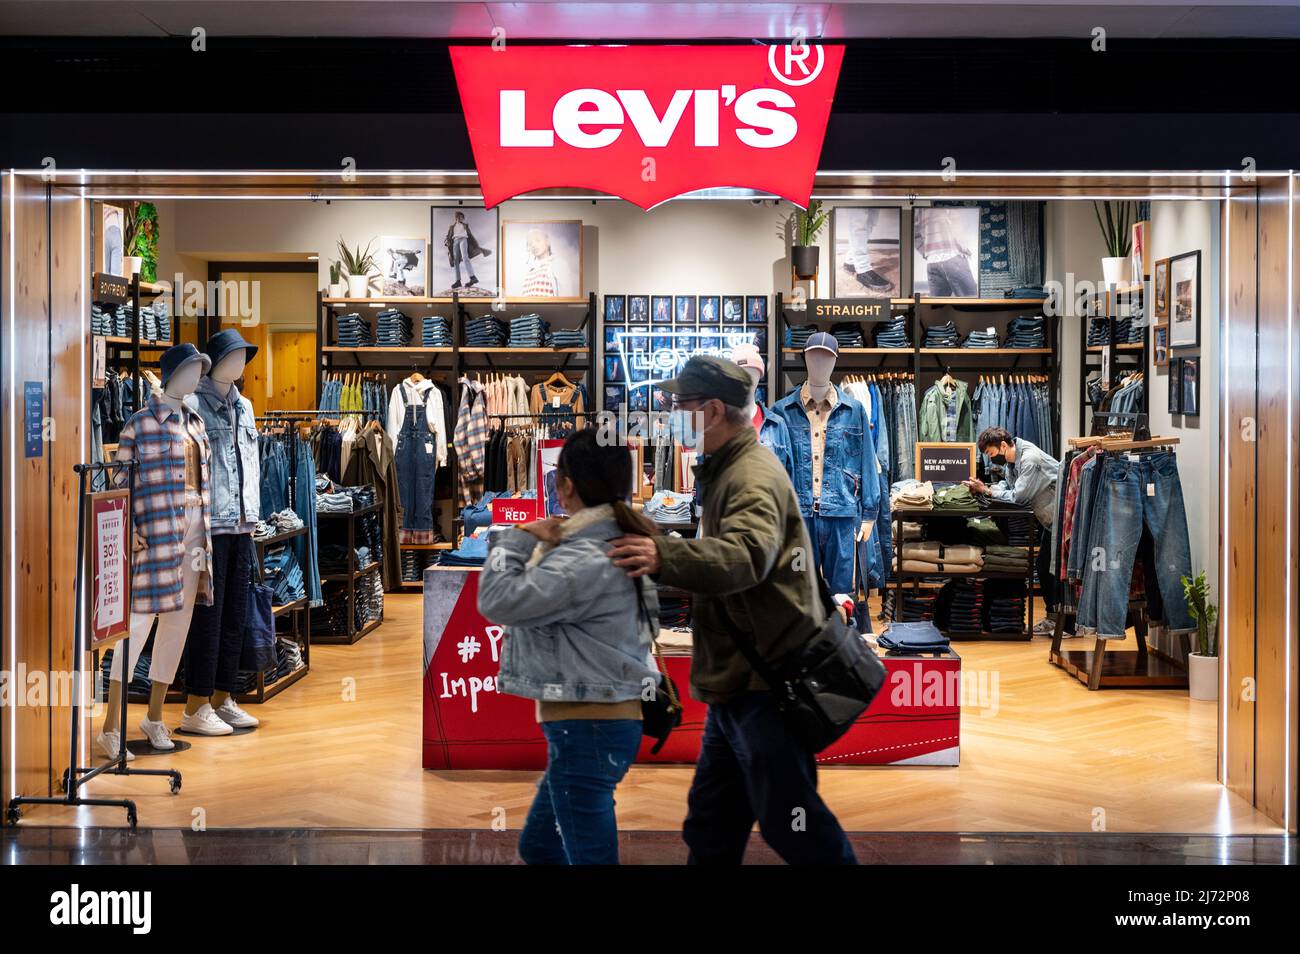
x,y
514,510
647,123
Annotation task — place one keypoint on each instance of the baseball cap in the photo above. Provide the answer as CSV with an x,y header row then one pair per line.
x,y
705,378
748,356
824,341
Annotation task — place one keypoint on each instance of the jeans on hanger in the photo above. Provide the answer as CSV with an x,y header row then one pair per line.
x,y
1133,494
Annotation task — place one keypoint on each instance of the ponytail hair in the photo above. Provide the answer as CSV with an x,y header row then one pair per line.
x,y
602,474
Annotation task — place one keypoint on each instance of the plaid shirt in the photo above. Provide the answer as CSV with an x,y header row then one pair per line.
x,y
155,438
471,440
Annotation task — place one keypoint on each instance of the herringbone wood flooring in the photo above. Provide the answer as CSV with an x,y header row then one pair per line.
x,y
1052,757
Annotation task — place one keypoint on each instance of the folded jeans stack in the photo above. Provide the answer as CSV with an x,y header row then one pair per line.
x,y
981,338
796,336
486,331
960,606
668,507
892,333
911,494
1098,332
354,331
565,338
910,638
848,335
1027,332
941,336
527,331
435,332
472,552
282,572
333,503
394,329
1004,606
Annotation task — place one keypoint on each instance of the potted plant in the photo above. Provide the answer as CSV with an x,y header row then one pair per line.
x,y
1116,220
337,287
1203,664
131,263
805,226
360,263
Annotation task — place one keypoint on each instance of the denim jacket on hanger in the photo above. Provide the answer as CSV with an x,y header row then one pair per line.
x,y
236,470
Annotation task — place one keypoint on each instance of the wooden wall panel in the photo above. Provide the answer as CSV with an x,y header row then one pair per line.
x,y
293,375
69,403
1237,358
27,497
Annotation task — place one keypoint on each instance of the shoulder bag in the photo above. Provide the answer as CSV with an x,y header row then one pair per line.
x,y
823,686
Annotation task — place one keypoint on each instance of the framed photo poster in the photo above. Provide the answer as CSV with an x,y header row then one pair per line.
x,y
463,252
945,252
1160,289
1175,385
1190,384
1185,300
868,251
1160,344
542,259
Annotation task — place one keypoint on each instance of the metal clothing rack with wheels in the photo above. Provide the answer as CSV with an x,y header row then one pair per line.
x,y
75,775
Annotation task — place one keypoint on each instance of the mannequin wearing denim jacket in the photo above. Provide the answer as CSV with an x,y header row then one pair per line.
x,y
216,632
849,501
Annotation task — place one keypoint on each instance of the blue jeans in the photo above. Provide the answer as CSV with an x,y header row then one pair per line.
x,y
752,768
572,818
460,256
1134,494
951,279
834,549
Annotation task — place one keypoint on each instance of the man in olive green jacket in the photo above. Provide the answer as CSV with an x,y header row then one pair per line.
x,y
752,570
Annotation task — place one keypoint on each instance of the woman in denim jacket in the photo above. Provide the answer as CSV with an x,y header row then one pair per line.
x,y
578,642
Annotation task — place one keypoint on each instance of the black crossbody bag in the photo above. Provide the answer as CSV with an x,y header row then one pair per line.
x,y
825,684
663,713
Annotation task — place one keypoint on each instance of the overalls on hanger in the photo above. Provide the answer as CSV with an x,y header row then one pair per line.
x,y
416,462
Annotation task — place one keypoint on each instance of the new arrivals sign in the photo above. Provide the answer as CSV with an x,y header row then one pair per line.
x,y
647,123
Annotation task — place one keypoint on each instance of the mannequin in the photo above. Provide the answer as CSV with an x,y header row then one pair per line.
x,y
167,438
832,464
216,631
772,431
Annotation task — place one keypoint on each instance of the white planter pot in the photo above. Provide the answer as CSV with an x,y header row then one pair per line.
x,y
1203,677
1114,269
338,290
131,264
358,286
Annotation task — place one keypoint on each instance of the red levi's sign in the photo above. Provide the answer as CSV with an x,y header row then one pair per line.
x,y
647,123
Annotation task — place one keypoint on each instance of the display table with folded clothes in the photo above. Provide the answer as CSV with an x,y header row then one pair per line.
x,y
979,553
467,723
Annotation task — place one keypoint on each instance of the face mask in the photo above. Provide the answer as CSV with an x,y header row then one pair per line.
x,y
684,427
999,459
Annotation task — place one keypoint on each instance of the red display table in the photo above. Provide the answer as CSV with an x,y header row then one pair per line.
x,y
468,724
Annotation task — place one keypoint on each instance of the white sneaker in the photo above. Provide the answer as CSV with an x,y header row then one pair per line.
x,y
204,722
232,715
107,742
157,734
1045,627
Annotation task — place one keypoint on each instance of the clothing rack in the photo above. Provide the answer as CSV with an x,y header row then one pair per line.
x,y
1103,667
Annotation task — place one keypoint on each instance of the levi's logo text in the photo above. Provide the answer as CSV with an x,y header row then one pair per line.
x,y
647,123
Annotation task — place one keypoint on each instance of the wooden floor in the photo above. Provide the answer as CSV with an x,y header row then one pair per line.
x,y
1051,757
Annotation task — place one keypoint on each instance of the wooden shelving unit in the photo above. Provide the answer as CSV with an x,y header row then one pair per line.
x,y
353,573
